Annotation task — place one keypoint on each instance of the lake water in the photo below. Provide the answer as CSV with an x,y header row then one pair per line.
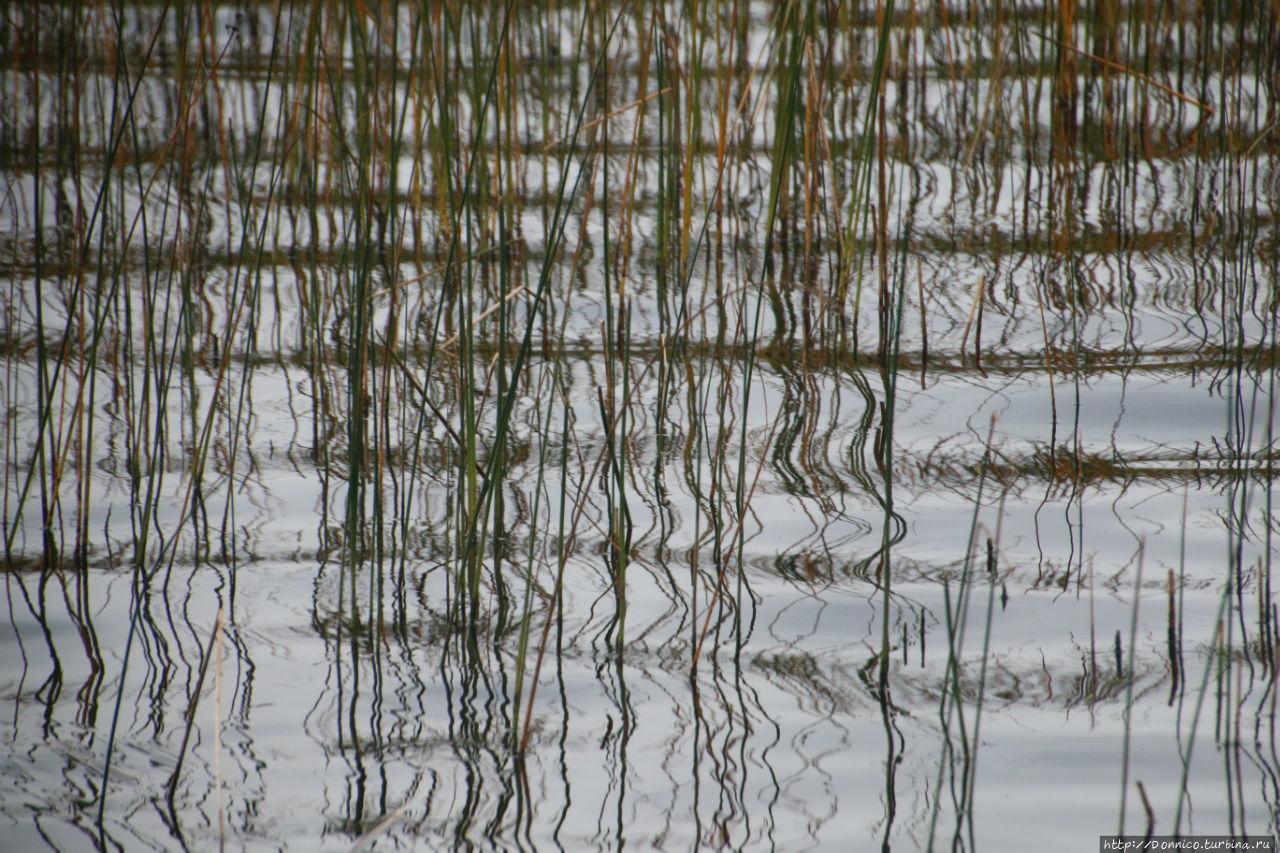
x,y
508,428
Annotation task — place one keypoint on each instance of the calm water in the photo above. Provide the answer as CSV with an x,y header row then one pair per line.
x,y
760,568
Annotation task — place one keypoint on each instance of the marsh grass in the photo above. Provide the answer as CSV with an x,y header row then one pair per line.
x,y
515,286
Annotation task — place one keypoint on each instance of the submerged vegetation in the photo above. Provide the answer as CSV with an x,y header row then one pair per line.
x,y
410,410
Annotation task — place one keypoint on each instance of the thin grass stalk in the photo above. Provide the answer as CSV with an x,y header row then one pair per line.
x,y
360,396
667,108
971,774
950,708
411,419
893,527
1128,694
852,253
518,727
692,77
609,415
951,704
505,167
796,27
563,546
1218,653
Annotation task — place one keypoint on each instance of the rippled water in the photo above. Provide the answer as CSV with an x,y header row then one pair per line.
x,y
931,507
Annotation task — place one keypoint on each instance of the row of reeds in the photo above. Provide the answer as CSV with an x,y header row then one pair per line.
x,y
363,208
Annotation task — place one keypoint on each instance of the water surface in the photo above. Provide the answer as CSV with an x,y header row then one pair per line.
x,y
600,428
